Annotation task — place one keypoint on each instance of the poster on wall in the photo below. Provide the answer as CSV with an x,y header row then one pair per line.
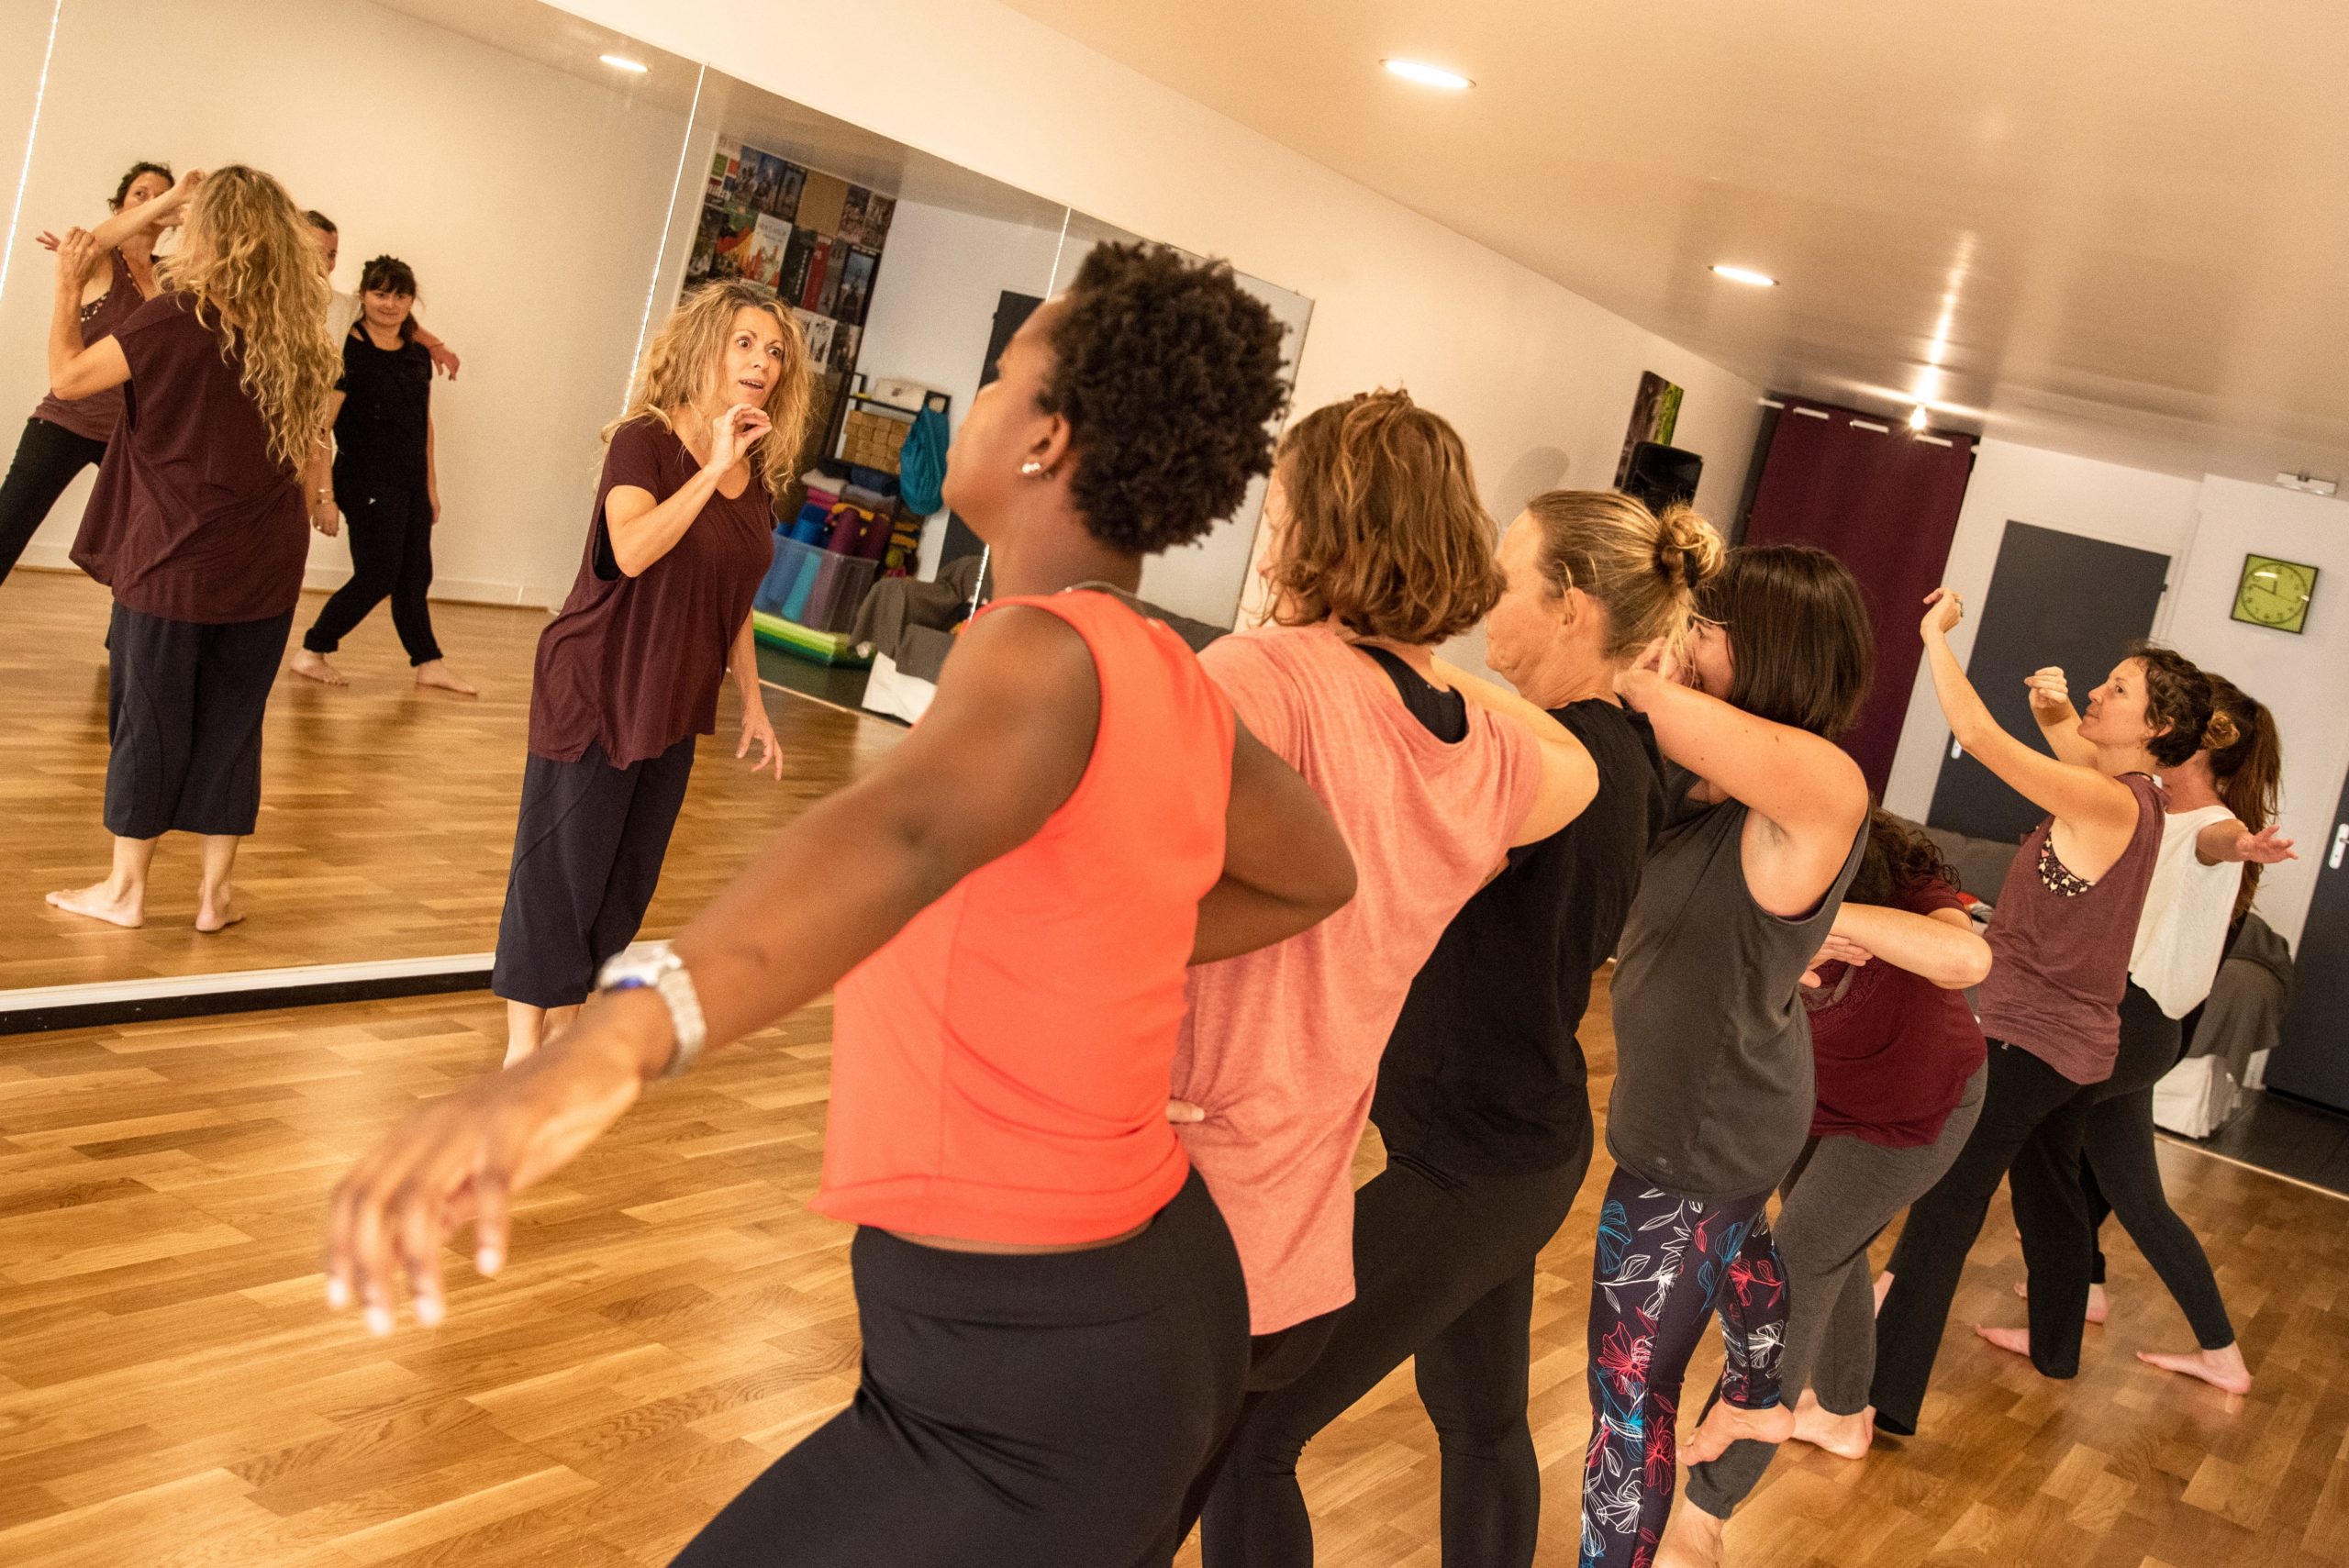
x,y
845,341
856,285
818,264
852,214
818,330
878,211
1655,414
763,256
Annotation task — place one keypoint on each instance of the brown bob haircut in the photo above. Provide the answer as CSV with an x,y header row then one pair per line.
x,y
1385,532
1801,650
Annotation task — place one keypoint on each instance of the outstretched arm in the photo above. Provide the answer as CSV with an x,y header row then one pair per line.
x,y
1003,743
2067,790
75,370
1941,947
2231,840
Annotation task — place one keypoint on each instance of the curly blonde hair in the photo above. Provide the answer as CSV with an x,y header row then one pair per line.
x,y
246,254
683,360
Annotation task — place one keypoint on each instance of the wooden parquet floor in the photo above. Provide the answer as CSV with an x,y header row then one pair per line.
x,y
388,813
173,1393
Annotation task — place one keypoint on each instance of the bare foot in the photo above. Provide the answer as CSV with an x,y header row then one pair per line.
x,y
1726,1423
1845,1436
217,911
2221,1369
314,667
2015,1340
2100,1305
104,901
439,675
1693,1540
519,1050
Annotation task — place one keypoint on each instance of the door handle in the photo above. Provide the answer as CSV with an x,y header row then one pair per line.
x,y
2339,844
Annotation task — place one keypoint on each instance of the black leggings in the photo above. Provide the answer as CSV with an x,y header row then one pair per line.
x,y
47,457
185,705
2029,1132
1443,1273
587,854
2121,1175
1040,1411
391,556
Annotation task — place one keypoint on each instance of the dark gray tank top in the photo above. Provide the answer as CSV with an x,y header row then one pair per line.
x,y
1713,1089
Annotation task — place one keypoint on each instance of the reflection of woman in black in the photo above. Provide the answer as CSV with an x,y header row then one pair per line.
x,y
384,482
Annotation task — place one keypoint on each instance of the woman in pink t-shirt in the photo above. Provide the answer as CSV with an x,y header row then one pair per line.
x,y
1375,550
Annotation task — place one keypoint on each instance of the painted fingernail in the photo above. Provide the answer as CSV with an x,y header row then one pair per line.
x,y
379,1320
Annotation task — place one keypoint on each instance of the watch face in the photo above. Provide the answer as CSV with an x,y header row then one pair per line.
x,y
2275,592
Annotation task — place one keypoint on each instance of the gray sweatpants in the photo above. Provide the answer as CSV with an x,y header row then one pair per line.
x,y
1838,1198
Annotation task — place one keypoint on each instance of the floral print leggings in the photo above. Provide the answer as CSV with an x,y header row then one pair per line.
x,y
1664,1264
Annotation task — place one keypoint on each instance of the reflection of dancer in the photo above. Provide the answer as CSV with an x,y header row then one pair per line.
x,y
384,482
67,435
1054,1320
1481,1097
1713,1083
2066,918
1899,1065
343,309
1376,551
2200,887
198,522
629,670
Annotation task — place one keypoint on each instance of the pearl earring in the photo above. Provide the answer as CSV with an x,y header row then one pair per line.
x,y
1031,468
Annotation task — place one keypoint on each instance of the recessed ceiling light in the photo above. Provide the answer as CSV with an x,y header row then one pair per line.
x,y
622,62
1917,419
1745,276
1427,76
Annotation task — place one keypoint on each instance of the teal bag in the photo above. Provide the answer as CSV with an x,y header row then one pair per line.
x,y
921,464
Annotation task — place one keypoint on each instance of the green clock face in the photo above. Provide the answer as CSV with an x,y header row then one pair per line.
x,y
2275,592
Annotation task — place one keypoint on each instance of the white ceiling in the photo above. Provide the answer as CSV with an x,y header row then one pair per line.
x,y
2118,230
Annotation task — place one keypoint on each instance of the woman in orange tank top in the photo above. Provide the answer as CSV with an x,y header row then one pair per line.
x,y
1054,1321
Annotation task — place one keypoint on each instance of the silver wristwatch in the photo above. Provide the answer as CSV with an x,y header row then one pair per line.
x,y
663,974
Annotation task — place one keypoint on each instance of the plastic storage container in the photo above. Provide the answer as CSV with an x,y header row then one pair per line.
x,y
813,586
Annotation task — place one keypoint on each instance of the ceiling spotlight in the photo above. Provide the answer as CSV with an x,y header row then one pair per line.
x,y
622,62
1917,417
1745,276
1427,76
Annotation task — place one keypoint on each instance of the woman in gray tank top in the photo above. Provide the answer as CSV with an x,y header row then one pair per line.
x,y
1713,1088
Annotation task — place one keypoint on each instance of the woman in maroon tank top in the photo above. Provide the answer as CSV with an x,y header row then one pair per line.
x,y
1029,1394
63,437
2065,920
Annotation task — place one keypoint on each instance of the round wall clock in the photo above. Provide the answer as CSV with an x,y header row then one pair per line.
x,y
2275,592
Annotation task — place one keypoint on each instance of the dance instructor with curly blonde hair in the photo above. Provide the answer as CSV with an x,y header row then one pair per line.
x,y
629,670
197,521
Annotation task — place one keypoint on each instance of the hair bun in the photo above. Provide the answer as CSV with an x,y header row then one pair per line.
x,y
1688,547
2221,732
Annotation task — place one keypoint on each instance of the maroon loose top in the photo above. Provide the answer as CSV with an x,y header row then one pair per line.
x,y
94,417
1893,1050
191,519
2059,947
634,663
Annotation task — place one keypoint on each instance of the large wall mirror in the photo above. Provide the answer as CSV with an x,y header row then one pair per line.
x,y
555,188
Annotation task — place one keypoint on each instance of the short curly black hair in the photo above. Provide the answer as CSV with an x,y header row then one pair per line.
x,y
1169,374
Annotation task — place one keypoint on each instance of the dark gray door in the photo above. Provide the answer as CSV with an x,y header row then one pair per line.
x,y
2055,598
1011,312
2312,1058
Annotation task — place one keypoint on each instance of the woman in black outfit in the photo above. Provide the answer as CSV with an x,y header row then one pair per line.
x,y
1481,1096
66,434
384,482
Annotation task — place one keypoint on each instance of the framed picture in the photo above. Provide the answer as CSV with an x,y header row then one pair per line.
x,y
2276,593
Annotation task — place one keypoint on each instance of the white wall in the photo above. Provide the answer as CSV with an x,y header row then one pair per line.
x,y
1538,380
942,273
2303,679
2049,490
531,204
2206,527
24,38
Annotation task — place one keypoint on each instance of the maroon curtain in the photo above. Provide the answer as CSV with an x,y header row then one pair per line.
x,y
1885,501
